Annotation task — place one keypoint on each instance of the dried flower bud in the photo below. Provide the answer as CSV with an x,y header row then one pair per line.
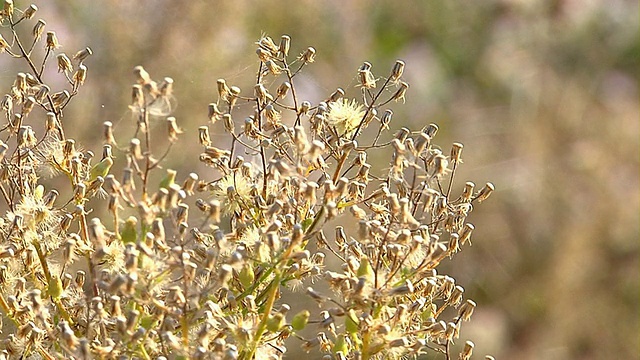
x,y
3,150
134,149
309,55
182,213
28,105
60,98
142,76
431,130
166,87
81,55
137,95
107,133
223,89
21,82
52,41
465,233
80,278
336,95
466,310
80,75
38,29
304,108
367,80
7,9
397,70
64,63
467,351
273,68
30,12
263,54
467,192
485,192
440,165
172,129
127,179
401,92
4,45
285,44
282,90
456,151
234,92
96,233
228,123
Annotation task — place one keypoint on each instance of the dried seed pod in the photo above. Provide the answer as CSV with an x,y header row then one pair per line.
x,y
64,63
465,233
80,75
81,55
60,98
309,55
285,44
336,95
431,130
107,133
20,82
4,45
401,92
485,192
367,80
134,149
456,152
234,92
28,106
142,76
29,12
467,192
166,87
7,9
273,68
282,90
223,89
172,129
466,353
7,104
397,70
38,29
52,41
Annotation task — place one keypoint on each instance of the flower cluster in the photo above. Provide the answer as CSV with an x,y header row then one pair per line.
x,y
195,266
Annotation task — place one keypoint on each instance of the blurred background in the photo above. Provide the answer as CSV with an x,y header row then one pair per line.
x,y
543,94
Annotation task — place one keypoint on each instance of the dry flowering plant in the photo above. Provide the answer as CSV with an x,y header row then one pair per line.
x,y
194,266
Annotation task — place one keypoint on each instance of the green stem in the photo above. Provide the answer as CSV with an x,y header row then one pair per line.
x,y
268,306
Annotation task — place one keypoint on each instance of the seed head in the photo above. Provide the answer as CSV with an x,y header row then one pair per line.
x,y
282,90
38,29
309,55
485,192
345,116
80,75
142,76
52,41
4,45
7,9
367,80
30,12
285,44
81,55
467,351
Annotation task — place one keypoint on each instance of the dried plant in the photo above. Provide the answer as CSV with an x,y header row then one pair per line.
x,y
157,278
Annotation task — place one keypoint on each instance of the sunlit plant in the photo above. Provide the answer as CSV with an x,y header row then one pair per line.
x,y
194,265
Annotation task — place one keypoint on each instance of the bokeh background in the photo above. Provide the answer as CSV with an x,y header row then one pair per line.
x,y
543,94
